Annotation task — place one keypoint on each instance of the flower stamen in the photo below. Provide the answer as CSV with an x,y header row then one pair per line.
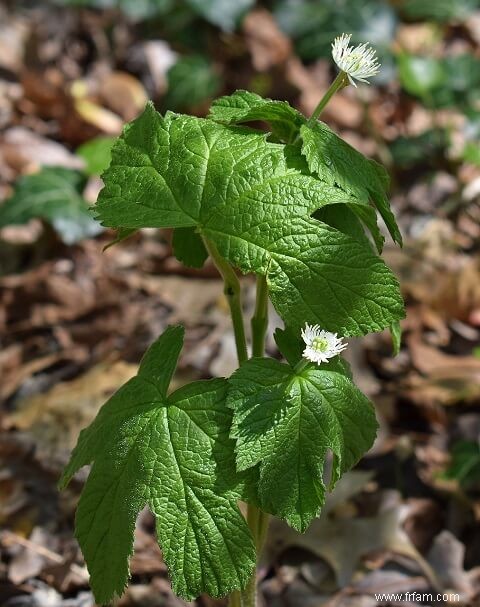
x,y
321,345
359,63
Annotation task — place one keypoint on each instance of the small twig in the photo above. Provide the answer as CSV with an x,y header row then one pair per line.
x,y
13,538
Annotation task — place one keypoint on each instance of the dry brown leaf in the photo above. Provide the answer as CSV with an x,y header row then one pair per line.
x,y
447,559
104,120
156,594
447,379
26,151
423,522
343,542
13,378
418,38
14,30
147,556
313,82
124,94
268,45
380,581
45,93
53,419
437,364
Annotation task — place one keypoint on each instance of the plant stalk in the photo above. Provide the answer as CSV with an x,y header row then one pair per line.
x,y
235,599
340,81
232,291
300,366
257,519
260,318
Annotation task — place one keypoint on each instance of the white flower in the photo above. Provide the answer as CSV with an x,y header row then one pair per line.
x,y
359,62
321,345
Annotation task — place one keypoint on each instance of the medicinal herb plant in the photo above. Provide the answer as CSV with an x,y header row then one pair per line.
x,y
297,207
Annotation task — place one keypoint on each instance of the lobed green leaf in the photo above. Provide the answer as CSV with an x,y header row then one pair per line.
x,y
286,421
172,453
337,162
254,199
303,258
244,106
188,247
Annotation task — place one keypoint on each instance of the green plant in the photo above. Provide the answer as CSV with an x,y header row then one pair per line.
x,y
289,206
223,13
465,464
54,195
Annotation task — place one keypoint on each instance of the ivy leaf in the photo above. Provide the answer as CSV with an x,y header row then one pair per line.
x,y
223,13
174,454
188,247
287,420
253,199
337,162
191,81
53,194
243,106
97,154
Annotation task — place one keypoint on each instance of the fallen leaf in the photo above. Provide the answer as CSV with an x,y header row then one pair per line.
x,y
160,57
446,557
423,522
53,419
104,120
124,94
27,151
447,379
267,44
14,30
147,556
27,563
342,542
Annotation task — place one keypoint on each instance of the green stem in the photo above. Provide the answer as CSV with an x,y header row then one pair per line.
x,y
260,317
235,599
258,523
257,519
232,290
300,366
340,81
